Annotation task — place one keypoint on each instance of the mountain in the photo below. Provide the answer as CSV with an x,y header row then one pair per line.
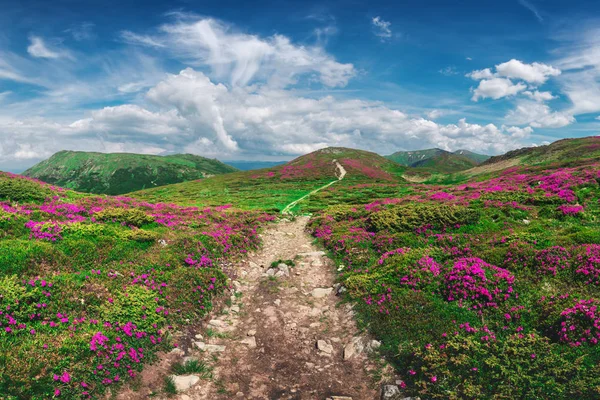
x,y
564,150
118,173
408,158
439,160
252,165
274,188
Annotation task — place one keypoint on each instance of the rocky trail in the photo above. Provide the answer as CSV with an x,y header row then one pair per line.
x,y
283,333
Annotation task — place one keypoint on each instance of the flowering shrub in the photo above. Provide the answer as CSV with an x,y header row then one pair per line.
x,y
587,263
580,324
473,281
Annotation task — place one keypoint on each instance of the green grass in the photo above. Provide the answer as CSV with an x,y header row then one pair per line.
x,y
118,173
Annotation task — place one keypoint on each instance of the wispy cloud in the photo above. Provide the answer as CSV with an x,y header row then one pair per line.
x,y
382,28
531,8
448,71
39,49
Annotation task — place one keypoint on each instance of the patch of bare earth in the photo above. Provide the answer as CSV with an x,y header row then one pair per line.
x,y
281,337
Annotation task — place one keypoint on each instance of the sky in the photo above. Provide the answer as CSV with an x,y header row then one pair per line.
x,y
271,80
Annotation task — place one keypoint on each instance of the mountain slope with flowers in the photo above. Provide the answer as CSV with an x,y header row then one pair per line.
x,y
118,173
93,288
486,288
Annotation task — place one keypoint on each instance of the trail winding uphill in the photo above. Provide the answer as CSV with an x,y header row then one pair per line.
x,y
283,336
340,173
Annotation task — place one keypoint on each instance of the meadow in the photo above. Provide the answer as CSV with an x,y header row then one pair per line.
x,y
485,289
91,288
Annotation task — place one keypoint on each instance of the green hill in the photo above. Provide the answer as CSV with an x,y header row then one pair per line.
x,y
274,188
439,160
118,173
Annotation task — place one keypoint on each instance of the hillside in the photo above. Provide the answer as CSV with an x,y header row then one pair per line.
x,y
274,188
438,160
446,163
118,173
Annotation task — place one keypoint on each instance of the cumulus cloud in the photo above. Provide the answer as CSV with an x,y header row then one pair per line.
x,y
381,28
535,73
191,113
244,58
539,96
497,88
481,74
38,48
538,115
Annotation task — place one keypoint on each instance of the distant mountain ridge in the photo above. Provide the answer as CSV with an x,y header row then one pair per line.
x,y
119,173
439,160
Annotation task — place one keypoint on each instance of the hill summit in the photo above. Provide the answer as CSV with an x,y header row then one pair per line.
x,y
438,160
119,173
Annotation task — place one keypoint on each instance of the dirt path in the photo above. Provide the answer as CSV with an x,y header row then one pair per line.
x,y
340,173
270,332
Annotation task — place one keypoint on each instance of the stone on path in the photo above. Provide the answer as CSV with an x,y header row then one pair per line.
x,y
184,382
250,342
251,332
324,347
319,293
312,254
390,392
211,348
355,347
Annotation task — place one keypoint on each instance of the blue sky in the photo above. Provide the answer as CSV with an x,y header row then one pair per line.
x,y
271,80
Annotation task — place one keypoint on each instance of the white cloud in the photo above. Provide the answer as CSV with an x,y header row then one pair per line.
x,y
194,114
531,8
143,40
448,71
435,114
382,28
535,73
38,48
538,115
480,74
497,88
598,117
244,58
539,96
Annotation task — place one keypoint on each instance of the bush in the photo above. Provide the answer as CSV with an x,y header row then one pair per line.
x,y
130,216
139,235
22,190
137,305
403,218
525,366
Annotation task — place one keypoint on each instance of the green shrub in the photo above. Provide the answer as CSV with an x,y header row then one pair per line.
x,y
24,257
130,216
139,235
403,218
137,304
519,366
23,190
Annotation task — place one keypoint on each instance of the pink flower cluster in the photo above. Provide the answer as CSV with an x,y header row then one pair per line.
x,y
475,281
580,323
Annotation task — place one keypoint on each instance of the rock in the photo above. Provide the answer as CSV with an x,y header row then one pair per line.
x,y
373,345
211,348
390,392
341,289
181,397
235,309
217,323
271,272
250,342
354,348
283,270
310,365
162,242
324,347
277,302
253,264
312,254
184,382
239,394
526,221
319,293
340,398
317,263
198,336
177,351
251,332
341,267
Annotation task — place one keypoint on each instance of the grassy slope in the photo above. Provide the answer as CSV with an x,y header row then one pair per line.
x,y
84,264
118,173
273,188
